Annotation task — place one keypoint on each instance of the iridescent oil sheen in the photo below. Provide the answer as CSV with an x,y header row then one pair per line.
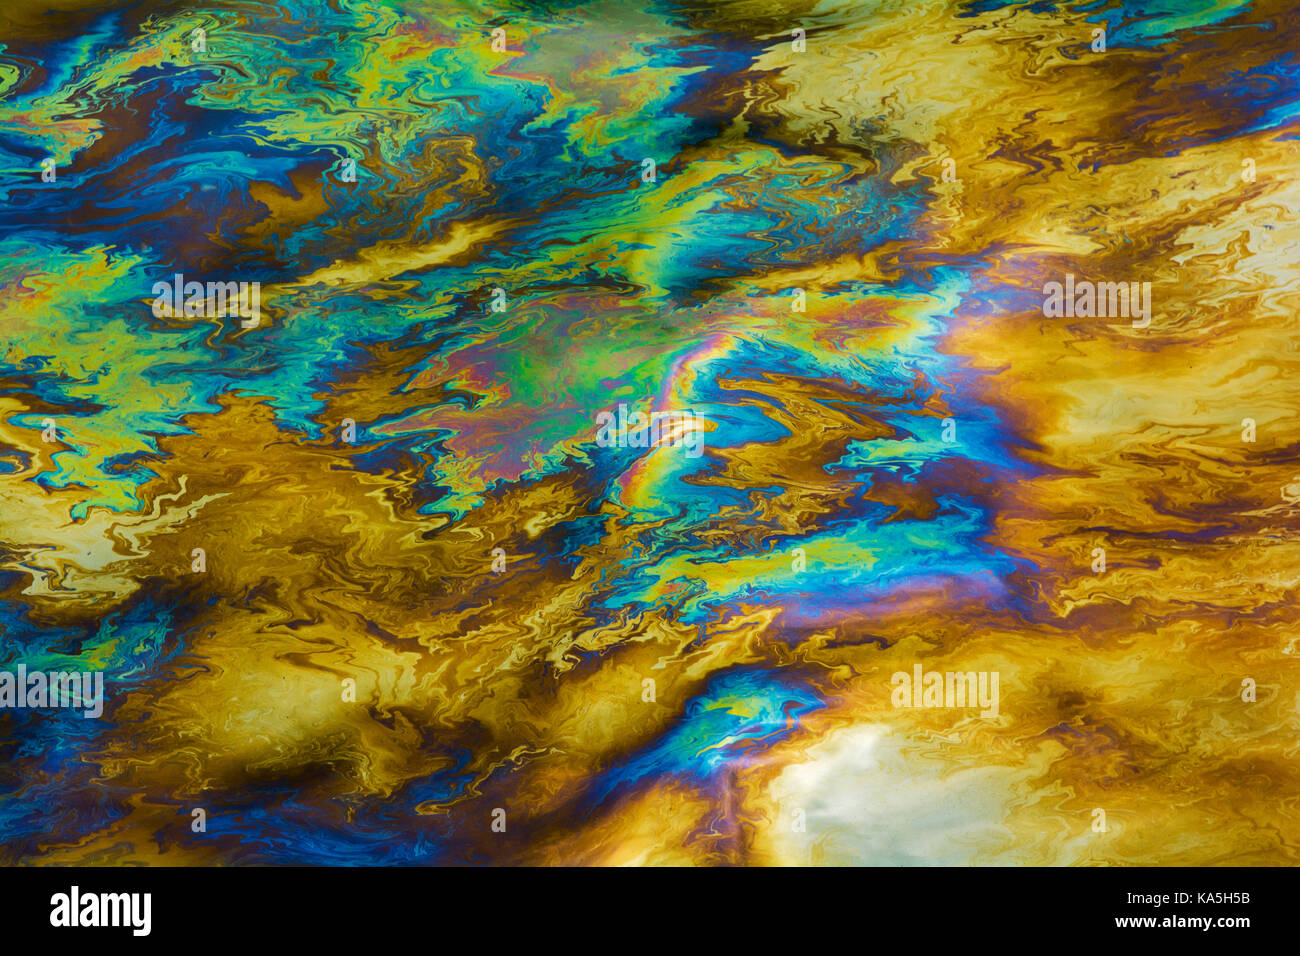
x,y
639,656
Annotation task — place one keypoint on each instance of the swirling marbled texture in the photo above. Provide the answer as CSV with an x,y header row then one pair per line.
x,y
837,528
